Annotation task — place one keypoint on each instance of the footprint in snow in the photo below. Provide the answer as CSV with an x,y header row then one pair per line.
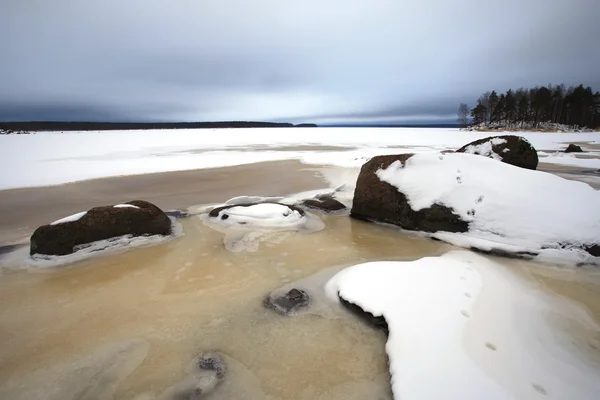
x,y
479,200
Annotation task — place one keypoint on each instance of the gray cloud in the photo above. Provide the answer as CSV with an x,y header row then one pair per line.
x,y
388,60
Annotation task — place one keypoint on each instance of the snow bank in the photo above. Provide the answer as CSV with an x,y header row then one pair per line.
x,y
451,339
504,205
56,158
70,218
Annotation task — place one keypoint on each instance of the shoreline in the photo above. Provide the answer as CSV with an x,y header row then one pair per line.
x,y
23,210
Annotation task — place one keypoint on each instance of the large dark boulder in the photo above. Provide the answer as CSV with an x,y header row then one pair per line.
x,y
573,148
100,223
375,200
510,149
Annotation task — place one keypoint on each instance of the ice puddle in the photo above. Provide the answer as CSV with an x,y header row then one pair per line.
x,y
130,325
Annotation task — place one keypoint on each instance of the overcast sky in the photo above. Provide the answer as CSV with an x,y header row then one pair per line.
x,y
318,61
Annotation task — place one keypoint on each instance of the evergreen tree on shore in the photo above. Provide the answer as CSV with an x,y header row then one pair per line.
x,y
573,106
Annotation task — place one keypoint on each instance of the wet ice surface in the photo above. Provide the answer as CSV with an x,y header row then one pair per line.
x,y
191,295
130,325
87,377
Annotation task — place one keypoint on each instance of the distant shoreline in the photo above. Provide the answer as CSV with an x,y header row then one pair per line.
x,y
54,126
36,126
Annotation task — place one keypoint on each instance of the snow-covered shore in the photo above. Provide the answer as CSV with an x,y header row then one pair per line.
x,y
47,159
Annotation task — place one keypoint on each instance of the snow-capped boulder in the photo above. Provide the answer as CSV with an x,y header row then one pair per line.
x,y
510,149
378,200
247,225
135,218
483,204
573,148
257,216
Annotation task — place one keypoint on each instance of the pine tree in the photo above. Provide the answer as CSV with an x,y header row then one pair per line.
x,y
510,107
493,101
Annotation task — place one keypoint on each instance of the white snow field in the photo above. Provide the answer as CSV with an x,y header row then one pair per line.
x,y
507,207
464,327
45,158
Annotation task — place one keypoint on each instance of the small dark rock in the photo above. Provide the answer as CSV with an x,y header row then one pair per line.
x,y
212,362
324,202
288,303
573,148
100,223
378,323
177,214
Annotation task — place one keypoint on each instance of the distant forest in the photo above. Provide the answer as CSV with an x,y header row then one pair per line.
x,y
33,126
573,106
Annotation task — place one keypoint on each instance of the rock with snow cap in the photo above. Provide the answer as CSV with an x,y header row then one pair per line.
x,y
135,218
376,200
510,149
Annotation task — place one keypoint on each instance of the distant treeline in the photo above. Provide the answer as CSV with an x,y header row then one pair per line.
x,y
573,106
108,126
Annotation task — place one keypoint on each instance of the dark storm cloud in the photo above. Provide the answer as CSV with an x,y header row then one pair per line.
x,y
388,60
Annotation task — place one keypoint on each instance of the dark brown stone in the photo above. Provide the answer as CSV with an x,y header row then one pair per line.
x,y
324,202
573,148
375,200
288,303
212,362
515,151
100,223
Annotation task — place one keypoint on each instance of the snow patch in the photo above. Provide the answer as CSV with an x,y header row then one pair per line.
x,y
70,218
125,206
449,339
486,149
246,226
510,206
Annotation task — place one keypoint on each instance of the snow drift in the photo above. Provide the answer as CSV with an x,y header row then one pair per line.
x,y
506,208
464,327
